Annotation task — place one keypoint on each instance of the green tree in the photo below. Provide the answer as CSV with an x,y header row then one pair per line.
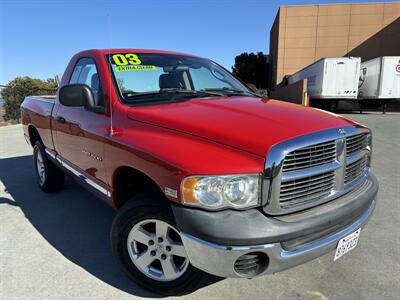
x,y
252,68
20,87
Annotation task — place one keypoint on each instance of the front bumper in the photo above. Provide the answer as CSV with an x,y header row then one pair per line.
x,y
214,241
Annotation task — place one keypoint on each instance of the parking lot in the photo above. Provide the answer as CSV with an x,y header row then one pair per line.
x,y
56,246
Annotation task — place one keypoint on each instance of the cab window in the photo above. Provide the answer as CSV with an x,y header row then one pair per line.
x,y
85,72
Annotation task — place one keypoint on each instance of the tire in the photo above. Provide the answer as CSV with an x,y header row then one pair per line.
x,y
140,212
49,177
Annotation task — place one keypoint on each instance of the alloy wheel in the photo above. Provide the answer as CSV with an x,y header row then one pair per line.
x,y
156,249
40,168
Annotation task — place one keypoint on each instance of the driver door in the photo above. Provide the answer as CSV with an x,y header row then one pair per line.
x,y
81,133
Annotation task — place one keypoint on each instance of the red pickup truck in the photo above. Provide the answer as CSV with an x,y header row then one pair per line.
x,y
207,176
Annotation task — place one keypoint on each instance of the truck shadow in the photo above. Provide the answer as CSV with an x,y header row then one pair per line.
x,y
73,221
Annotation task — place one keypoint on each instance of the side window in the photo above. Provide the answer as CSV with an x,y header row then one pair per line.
x,y
85,72
75,74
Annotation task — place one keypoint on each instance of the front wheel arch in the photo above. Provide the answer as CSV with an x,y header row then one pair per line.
x,y
129,182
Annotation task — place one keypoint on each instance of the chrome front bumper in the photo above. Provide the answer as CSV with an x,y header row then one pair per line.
x,y
219,260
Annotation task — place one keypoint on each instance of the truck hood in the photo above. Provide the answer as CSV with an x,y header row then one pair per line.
x,y
247,123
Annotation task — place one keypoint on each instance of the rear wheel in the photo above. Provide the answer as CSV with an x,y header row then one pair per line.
x,y
49,177
146,241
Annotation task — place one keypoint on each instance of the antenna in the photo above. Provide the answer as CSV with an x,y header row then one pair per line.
x,y
57,78
109,77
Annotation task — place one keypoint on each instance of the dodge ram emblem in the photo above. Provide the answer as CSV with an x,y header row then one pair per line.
x,y
341,131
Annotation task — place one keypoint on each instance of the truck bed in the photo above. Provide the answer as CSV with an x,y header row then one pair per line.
x,y
37,110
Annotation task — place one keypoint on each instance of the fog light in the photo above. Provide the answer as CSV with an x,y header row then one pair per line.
x,y
251,264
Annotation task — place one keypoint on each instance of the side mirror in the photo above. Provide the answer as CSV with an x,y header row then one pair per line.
x,y
252,87
76,95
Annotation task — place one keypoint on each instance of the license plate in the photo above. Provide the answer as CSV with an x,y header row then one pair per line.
x,y
347,244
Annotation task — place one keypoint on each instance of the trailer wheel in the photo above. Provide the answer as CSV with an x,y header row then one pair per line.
x,y
333,105
146,242
49,177
384,106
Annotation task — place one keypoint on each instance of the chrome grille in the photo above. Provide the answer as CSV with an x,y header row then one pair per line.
x,y
310,156
298,191
355,170
315,168
356,143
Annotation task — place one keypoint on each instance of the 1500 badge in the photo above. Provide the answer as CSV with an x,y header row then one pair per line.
x,y
92,155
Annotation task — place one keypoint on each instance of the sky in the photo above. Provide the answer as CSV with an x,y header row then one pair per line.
x,y
38,37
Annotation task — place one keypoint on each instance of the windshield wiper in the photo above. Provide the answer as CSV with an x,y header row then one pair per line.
x,y
225,89
172,91
230,91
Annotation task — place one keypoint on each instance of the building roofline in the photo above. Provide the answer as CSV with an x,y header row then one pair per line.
x,y
337,3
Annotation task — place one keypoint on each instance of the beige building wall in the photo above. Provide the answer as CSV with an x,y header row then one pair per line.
x,y
303,34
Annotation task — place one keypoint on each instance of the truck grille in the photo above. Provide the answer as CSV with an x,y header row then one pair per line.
x,y
356,143
298,191
355,170
310,156
326,165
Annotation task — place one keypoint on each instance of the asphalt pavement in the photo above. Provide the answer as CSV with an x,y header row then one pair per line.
x,y
56,246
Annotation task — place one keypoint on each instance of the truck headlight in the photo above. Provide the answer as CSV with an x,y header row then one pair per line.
x,y
226,191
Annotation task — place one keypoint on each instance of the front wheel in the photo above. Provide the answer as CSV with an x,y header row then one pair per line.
x,y
147,243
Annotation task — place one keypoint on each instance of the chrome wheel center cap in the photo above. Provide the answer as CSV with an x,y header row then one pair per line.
x,y
159,248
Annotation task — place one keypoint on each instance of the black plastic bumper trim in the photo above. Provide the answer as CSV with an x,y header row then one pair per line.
x,y
252,227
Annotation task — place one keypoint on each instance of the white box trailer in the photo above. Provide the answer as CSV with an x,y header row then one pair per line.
x,y
380,78
331,78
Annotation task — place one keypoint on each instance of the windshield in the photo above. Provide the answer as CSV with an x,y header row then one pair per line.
x,y
149,77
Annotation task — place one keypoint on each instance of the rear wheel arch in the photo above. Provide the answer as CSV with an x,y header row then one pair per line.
x,y
129,182
34,135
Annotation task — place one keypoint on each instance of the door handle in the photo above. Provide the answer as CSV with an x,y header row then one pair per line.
x,y
60,119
